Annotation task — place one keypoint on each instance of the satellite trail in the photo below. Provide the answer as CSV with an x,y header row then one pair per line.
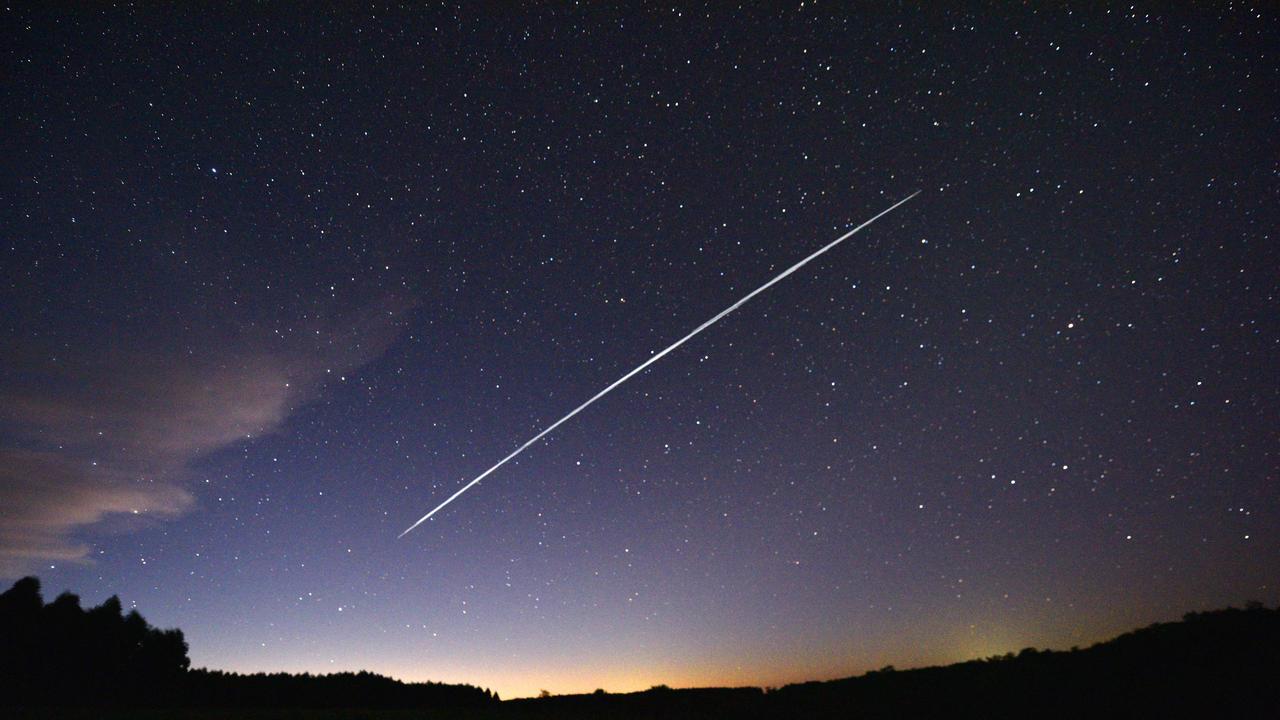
x,y
656,357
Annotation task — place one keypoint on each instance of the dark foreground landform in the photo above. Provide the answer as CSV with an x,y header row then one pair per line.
x,y
58,660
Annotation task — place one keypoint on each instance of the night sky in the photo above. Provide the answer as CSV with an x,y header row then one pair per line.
x,y
276,282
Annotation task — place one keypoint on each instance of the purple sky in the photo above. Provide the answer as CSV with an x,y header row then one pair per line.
x,y
277,283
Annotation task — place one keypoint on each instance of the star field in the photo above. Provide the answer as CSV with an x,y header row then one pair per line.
x,y
275,283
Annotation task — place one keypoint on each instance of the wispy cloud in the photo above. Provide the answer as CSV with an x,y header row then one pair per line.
x,y
45,496
91,437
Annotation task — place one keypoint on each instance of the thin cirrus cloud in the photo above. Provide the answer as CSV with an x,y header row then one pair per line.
x,y
88,440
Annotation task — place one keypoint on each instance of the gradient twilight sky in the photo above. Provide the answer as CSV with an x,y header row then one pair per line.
x,y
276,282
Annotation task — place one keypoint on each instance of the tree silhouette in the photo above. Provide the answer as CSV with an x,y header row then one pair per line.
x,y
59,654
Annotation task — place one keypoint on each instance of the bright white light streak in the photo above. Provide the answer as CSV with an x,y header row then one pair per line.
x,y
656,358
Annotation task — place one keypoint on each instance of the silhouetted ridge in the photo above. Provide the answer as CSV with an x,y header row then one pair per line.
x,y
1222,663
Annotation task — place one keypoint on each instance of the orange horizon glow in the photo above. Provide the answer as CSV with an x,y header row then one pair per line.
x,y
567,677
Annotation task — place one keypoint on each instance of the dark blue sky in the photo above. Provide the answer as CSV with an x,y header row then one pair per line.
x,y
275,282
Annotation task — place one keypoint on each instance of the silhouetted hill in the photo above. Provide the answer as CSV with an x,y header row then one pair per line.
x,y
1217,664
1214,664
59,660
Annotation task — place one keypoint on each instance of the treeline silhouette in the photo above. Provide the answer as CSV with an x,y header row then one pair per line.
x,y
1224,663
61,655
214,688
